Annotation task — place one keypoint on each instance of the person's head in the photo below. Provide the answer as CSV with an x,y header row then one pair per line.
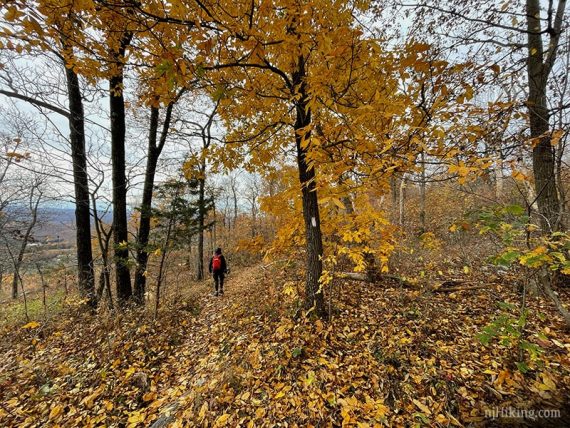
x,y
218,251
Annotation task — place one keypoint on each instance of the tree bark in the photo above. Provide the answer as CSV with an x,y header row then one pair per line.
x,y
233,184
201,221
423,193
545,280
103,239
120,226
539,66
401,200
394,187
85,271
145,210
154,151
499,178
214,229
314,242
253,217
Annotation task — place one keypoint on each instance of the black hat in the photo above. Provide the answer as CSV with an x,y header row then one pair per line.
x,y
218,250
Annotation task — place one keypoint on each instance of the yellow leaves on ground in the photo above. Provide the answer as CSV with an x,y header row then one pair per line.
x,y
135,418
129,372
203,410
222,420
55,411
421,406
545,383
245,361
351,407
31,325
149,396
89,400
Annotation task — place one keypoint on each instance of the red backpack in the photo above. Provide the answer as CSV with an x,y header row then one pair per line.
x,y
217,262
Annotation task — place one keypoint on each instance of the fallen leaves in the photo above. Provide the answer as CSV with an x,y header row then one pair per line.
x,y
390,357
31,325
55,411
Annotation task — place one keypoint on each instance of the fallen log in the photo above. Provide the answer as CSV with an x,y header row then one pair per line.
x,y
453,282
458,288
355,276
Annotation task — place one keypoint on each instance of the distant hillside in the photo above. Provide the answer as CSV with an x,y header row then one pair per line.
x,y
57,224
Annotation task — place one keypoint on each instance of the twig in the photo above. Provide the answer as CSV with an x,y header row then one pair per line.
x,y
458,288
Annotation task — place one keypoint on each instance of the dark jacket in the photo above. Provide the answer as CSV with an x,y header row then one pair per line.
x,y
224,265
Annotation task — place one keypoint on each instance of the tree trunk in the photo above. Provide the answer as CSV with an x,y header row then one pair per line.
x,y
201,221
145,210
560,166
18,261
103,238
499,178
314,295
160,275
545,280
543,160
120,226
402,198
395,198
85,272
154,151
15,285
214,237
234,194
423,193
253,219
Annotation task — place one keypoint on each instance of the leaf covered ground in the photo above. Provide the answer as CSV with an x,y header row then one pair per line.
x,y
389,357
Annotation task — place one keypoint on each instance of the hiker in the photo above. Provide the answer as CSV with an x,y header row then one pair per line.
x,y
218,268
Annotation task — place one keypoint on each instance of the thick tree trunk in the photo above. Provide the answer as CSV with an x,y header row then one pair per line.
x,y
314,295
85,272
543,159
120,226
545,280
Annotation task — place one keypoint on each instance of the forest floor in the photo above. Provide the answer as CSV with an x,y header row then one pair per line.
x,y
389,356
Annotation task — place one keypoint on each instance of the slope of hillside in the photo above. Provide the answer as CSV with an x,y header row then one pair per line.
x,y
389,356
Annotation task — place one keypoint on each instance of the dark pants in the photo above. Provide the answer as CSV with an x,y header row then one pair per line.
x,y
219,278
